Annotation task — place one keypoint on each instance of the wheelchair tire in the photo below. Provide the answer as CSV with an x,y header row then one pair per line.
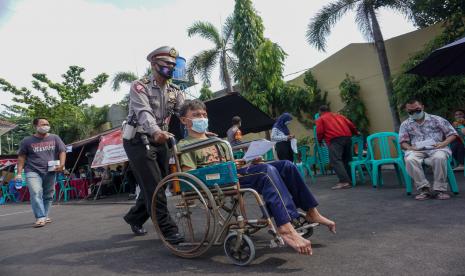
x,y
246,252
188,213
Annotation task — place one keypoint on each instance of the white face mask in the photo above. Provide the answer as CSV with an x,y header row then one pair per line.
x,y
43,129
417,116
200,125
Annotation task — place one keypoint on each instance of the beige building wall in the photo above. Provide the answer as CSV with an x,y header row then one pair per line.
x,y
360,60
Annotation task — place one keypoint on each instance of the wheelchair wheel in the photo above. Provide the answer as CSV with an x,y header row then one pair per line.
x,y
239,249
303,227
194,212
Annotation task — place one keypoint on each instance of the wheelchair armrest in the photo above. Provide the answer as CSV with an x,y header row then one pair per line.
x,y
202,144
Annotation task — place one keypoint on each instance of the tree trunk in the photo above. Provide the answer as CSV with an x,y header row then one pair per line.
x,y
384,63
226,76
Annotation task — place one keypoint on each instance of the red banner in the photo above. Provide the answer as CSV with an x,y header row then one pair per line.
x,y
7,162
110,150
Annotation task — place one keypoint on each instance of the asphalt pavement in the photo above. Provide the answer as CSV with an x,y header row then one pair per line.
x,y
379,232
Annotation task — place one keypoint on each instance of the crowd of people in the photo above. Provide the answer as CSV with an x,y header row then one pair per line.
x,y
424,137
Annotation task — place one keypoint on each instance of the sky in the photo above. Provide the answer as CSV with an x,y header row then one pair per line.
x,y
109,36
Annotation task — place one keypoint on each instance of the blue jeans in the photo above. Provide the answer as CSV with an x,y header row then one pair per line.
x,y
41,190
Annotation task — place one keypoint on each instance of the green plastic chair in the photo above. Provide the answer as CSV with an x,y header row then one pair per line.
x,y
269,156
358,160
306,162
382,140
321,152
238,154
450,176
6,195
66,189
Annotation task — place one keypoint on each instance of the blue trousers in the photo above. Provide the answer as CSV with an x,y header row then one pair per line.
x,y
282,187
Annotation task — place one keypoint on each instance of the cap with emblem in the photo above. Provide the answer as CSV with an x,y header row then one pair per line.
x,y
165,53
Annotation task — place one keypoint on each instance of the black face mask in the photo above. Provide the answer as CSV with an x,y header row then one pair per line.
x,y
165,71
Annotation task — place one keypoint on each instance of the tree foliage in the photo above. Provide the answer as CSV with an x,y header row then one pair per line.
x,y
303,102
440,95
354,108
248,36
320,26
269,83
63,107
221,54
205,93
429,12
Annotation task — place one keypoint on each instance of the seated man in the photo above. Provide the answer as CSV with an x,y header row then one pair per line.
x,y
425,138
279,182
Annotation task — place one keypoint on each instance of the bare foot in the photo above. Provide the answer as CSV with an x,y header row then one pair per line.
x,y
294,240
314,216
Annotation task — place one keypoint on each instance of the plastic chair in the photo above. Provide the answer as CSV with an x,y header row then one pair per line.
x,y
383,140
306,161
238,154
122,187
6,195
358,160
450,176
321,152
65,189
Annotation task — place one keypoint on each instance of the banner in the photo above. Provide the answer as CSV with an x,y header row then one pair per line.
x,y
7,162
110,150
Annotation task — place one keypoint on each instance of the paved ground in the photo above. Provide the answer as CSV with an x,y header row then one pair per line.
x,y
380,232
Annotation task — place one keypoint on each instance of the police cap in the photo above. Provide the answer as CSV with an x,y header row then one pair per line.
x,y
165,53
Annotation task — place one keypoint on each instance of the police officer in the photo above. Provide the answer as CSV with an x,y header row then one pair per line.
x,y
153,100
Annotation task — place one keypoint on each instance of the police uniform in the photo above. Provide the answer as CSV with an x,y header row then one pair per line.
x,y
152,106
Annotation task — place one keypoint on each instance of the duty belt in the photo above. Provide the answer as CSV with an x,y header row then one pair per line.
x,y
163,127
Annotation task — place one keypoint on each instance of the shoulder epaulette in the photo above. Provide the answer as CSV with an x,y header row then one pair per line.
x,y
145,80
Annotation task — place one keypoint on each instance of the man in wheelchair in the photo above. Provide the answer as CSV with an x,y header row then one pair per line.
x,y
279,182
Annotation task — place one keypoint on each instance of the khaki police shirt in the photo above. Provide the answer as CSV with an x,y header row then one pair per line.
x,y
153,105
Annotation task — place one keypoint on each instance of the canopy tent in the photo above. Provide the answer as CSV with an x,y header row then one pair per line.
x,y
222,109
448,60
88,147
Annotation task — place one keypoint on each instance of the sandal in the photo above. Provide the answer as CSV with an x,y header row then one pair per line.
x,y
39,223
442,196
423,196
48,220
339,186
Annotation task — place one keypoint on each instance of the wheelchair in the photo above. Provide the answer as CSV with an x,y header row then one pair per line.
x,y
209,208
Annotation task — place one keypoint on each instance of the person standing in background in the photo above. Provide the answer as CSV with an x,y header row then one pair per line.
x,y
337,131
38,156
281,135
234,132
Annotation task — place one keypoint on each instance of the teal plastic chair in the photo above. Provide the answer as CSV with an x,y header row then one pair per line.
x,y
6,195
306,162
238,154
384,141
66,189
269,156
321,152
358,160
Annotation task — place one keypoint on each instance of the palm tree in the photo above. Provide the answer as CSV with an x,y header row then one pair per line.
x,y
366,11
125,77
221,53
